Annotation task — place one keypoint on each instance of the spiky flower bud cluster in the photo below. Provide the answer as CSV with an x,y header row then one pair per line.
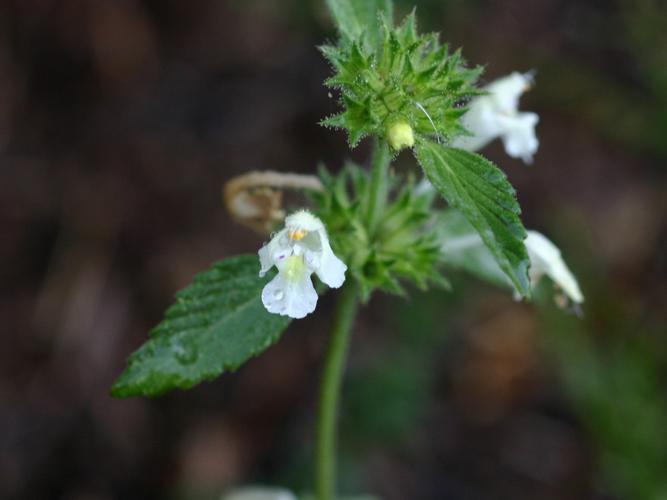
x,y
403,246
401,78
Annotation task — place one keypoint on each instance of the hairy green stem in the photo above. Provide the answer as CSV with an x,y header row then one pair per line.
x,y
377,196
330,385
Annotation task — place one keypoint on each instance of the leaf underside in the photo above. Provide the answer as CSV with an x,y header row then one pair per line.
x,y
463,249
480,190
216,324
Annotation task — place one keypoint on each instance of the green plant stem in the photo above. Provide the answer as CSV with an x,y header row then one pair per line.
x,y
377,196
330,385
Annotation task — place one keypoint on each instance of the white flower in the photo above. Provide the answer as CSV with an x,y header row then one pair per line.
x,y
299,250
259,493
496,115
463,248
545,258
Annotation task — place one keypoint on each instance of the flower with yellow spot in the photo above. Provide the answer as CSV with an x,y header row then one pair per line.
x,y
299,250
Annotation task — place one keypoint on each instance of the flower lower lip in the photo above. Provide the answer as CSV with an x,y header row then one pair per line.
x,y
294,268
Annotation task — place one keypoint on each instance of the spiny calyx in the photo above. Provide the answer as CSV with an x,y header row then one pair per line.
x,y
406,78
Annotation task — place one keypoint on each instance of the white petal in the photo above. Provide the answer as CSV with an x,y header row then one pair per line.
x,y
265,262
480,121
331,270
506,91
259,493
268,252
519,135
495,115
545,258
312,259
293,298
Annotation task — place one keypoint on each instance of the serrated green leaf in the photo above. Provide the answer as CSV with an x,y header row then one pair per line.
x,y
482,193
358,20
216,324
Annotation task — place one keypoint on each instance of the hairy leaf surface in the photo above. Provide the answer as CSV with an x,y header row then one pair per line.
x,y
217,323
482,193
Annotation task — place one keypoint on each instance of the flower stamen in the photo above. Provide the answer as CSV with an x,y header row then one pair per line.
x,y
297,234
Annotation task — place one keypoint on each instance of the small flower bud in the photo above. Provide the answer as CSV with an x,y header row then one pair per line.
x,y
400,136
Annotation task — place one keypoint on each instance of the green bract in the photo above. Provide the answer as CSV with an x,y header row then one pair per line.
x,y
401,244
401,77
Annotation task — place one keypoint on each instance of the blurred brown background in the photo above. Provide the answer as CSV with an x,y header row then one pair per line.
x,y
119,122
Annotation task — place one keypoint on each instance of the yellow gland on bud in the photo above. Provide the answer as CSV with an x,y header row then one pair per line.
x,y
400,136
